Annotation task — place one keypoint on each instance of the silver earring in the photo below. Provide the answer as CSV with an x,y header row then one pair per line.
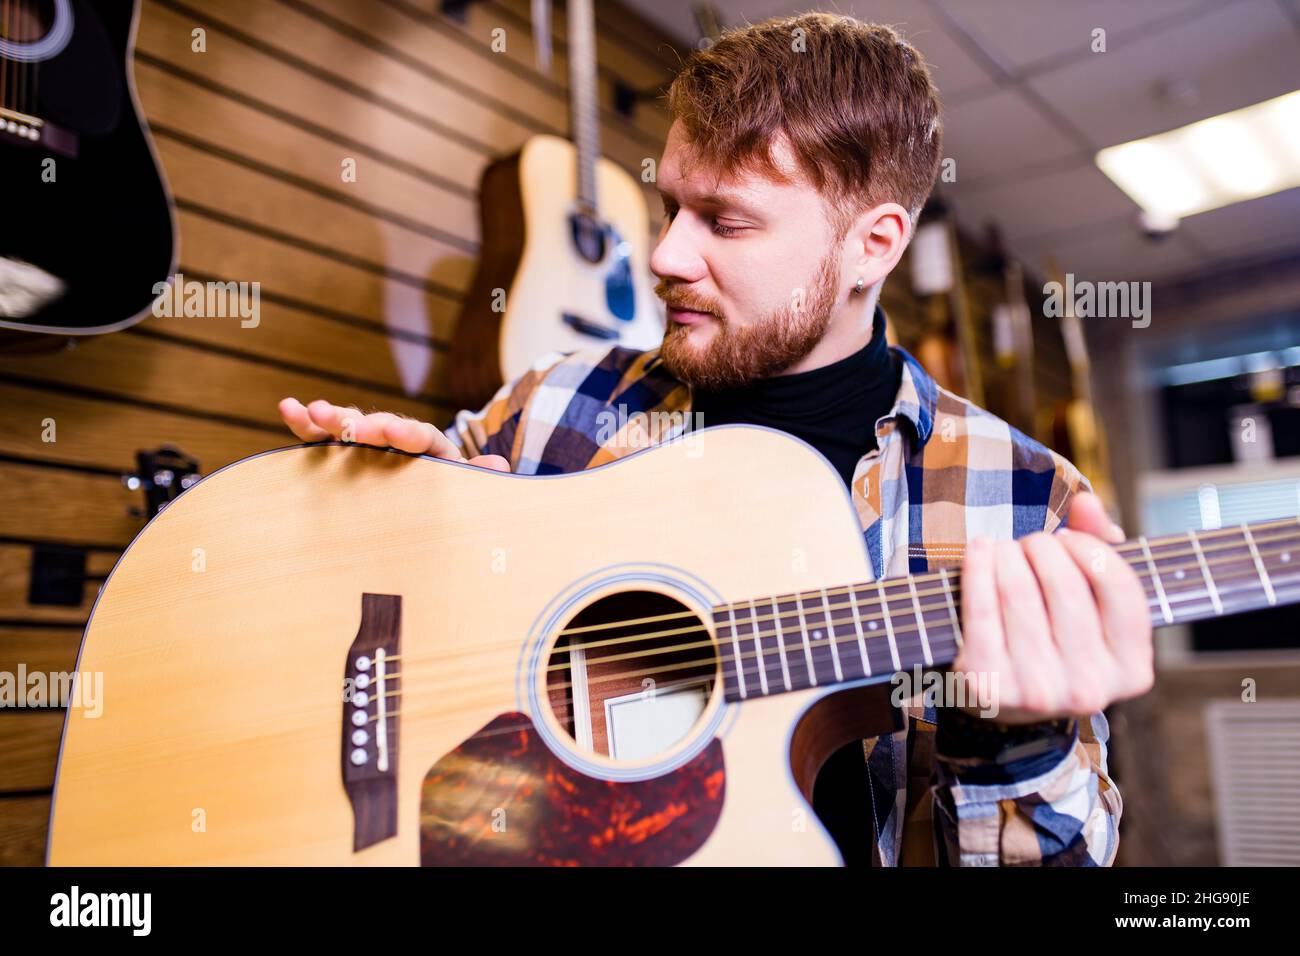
x,y
862,284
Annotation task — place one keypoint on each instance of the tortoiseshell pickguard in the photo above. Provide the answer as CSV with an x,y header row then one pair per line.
x,y
503,798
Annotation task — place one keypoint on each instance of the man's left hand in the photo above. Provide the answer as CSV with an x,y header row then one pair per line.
x,y
1061,620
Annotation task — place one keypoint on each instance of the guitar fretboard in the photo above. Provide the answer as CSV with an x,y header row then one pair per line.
x,y
583,107
788,642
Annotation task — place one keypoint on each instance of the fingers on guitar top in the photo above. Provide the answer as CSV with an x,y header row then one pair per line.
x,y
321,420
298,419
418,437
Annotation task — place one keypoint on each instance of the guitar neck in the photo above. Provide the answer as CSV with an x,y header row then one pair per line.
x,y
583,103
788,642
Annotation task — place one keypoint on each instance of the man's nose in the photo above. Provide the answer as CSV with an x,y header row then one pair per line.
x,y
675,256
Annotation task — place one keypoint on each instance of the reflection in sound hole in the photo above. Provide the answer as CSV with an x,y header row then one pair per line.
x,y
26,22
631,674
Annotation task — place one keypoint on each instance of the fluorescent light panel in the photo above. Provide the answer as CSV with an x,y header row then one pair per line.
x,y
1215,162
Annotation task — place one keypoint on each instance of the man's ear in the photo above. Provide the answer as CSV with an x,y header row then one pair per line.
x,y
878,240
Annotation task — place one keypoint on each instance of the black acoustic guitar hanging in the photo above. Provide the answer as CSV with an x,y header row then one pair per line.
x,y
89,228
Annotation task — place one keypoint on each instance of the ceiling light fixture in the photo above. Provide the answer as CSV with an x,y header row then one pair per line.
x,y
1215,162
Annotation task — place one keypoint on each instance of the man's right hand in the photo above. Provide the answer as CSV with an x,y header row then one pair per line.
x,y
320,421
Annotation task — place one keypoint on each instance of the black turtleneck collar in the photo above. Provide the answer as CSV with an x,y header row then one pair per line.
x,y
834,408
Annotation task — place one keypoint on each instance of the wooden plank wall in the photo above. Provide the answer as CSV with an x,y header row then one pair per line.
x,y
253,133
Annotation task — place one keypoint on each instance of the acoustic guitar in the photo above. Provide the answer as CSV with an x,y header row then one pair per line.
x,y
1076,429
565,261
79,171
947,345
334,654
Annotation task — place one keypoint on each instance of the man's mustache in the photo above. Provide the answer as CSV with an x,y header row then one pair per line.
x,y
687,305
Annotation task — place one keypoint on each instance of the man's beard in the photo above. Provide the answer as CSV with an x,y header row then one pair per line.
x,y
739,355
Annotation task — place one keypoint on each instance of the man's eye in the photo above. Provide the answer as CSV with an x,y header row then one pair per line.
x,y
670,211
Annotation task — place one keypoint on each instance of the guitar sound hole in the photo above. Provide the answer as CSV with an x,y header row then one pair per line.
x,y
28,22
631,675
588,237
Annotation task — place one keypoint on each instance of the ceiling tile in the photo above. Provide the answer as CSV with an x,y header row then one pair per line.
x,y
1077,198
1020,33
1245,53
1113,255
991,134
1270,222
955,70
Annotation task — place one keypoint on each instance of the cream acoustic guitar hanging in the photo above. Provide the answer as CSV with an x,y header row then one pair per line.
x,y
565,260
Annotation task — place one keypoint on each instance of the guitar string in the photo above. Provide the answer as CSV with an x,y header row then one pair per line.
x,y
1179,600
22,66
746,636
682,666
1135,549
4,64
942,636
1128,549
873,603
745,631
19,79
11,25
563,712
749,666
868,607
33,108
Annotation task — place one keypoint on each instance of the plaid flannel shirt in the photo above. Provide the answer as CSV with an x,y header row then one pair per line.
x,y
944,471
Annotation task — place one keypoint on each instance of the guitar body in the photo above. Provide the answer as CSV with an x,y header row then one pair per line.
x,y
228,628
556,297
81,184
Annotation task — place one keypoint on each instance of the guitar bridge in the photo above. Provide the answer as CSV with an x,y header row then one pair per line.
x,y
372,691
25,130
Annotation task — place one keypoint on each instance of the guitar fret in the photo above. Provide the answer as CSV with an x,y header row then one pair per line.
x,y
735,649
889,626
1259,566
920,623
758,647
1155,578
952,609
857,624
1205,573
830,633
807,648
768,643
780,644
